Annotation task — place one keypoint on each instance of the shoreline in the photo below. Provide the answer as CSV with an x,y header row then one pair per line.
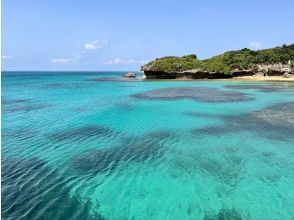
x,y
239,78
264,78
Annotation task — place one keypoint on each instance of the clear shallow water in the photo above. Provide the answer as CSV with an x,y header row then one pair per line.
x,y
85,145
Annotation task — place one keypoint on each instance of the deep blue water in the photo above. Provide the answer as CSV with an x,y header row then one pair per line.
x,y
92,145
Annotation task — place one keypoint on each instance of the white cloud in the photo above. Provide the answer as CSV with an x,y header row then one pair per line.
x,y
60,60
123,61
96,44
6,57
255,45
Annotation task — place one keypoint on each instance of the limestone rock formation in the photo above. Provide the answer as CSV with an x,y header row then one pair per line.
x,y
130,75
276,61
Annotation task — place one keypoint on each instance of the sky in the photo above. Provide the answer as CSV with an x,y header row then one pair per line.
x,y
97,35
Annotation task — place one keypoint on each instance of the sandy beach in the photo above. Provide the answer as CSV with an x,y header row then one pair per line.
x,y
263,78
240,78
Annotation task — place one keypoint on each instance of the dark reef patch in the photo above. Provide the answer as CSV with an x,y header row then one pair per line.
x,y
21,105
280,115
65,85
126,86
225,165
138,149
81,133
24,107
80,109
224,214
228,172
19,133
202,94
113,79
214,130
124,105
201,115
144,148
262,88
96,161
32,190
274,122
270,177
5,101
268,154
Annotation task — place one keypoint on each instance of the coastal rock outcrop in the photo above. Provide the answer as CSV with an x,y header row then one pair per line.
x,y
130,75
276,61
278,69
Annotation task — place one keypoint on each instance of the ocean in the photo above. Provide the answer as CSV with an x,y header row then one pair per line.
x,y
92,145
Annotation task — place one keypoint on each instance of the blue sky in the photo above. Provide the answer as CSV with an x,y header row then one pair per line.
x,y
122,35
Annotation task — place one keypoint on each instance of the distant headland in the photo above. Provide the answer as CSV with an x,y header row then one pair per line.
x,y
275,63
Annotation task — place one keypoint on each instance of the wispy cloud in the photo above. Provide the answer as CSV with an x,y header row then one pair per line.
x,y
255,45
7,57
96,44
116,61
82,54
60,60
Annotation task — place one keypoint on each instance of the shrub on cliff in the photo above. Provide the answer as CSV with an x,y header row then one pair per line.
x,y
175,64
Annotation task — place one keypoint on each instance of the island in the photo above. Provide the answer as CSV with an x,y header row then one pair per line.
x,y
274,62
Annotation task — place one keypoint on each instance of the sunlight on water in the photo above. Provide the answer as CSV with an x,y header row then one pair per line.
x,y
94,146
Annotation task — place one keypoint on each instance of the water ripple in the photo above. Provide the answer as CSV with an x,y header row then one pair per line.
x,y
30,189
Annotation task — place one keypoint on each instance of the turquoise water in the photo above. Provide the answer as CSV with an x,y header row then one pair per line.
x,y
86,145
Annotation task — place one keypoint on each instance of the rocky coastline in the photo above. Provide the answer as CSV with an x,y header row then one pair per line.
x,y
251,65
260,72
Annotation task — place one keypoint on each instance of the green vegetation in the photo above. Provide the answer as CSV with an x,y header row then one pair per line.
x,y
224,63
175,64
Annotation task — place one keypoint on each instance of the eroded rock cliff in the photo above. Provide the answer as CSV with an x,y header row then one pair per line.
x,y
276,61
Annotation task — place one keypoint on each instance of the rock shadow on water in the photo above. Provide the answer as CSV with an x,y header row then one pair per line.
x,y
32,190
201,94
79,133
133,149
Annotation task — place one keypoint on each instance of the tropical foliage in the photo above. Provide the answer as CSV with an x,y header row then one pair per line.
x,y
224,63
